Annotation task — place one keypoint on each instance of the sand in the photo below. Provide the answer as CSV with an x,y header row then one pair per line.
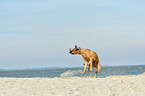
x,y
130,85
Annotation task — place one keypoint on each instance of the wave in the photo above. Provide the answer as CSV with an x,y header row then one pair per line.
x,y
70,73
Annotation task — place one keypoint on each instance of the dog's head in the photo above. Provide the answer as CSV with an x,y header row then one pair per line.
x,y
76,50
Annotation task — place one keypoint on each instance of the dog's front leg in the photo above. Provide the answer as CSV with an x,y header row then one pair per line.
x,y
86,64
91,63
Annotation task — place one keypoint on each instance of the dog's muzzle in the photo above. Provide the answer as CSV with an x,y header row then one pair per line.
x,y
71,52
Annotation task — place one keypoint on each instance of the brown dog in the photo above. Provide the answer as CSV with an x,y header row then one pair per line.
x,y
88,55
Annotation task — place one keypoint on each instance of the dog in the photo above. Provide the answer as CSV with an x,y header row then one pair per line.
x,y
88,55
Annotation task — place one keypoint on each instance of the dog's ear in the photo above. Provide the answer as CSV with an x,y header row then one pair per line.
x,y
76,47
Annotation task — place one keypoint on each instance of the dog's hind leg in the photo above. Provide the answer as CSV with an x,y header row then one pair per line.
x,y
90,74
99,69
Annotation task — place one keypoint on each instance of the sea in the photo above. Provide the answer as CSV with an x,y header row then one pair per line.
x,y
73,72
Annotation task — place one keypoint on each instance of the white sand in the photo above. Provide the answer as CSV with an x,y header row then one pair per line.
x,y
74,86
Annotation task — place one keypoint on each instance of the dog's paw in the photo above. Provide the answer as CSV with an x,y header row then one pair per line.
x,y
83,73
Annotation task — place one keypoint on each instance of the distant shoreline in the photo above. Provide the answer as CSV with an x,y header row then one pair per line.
x,y
39,68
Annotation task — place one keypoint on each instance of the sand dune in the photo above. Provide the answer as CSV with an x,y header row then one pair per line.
x,y
130,85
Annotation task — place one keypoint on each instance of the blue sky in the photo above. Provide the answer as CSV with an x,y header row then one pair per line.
x,y
38,33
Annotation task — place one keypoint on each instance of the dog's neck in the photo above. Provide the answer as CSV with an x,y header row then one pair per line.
x,y
81,51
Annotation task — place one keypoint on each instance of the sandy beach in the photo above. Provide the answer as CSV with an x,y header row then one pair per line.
x,y
130,85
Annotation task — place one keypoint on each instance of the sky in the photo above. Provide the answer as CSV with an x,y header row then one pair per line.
x,y
38,33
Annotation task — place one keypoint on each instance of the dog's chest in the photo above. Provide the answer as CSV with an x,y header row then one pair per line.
x,y
88,57
85,56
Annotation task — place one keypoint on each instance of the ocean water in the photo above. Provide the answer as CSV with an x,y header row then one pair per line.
x,y
73,72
